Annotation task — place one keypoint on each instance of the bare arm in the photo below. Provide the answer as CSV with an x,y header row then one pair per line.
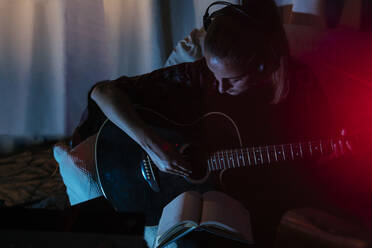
x,y
115,104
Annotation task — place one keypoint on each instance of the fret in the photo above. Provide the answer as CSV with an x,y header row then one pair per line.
x,y
272,154
288,152
321,148
332,145
232,159
209,165
227,158
311,150
249,158
242,154
219,161
341,147
279,153
254,155
297,152
262,160
302,155
291,151
276,155
237,156
258,154
316,148
214,160
268,154
283,152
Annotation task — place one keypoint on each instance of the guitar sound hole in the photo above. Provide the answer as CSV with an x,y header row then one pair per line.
x,y
195,157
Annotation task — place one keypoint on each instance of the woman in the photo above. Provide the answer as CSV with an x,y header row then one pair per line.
x,y
247,74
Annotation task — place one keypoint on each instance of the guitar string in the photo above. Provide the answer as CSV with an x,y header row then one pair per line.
x,y
226,116
317,145
195,121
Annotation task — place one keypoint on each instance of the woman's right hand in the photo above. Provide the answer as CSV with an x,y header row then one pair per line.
x,y
115,104
168,159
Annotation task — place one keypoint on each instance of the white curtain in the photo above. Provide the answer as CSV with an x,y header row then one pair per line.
x,y
53,51
32,84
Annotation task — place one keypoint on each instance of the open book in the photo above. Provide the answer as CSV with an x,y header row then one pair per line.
x,y
213,211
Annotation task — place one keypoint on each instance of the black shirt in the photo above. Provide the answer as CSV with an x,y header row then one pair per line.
x,y
186,91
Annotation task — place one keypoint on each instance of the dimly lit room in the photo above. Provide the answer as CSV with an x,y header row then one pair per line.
x,y
185,123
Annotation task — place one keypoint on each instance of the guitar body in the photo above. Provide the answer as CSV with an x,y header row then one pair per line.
x,y
119,160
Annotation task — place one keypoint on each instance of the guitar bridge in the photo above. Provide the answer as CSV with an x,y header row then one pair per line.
x,y
149,173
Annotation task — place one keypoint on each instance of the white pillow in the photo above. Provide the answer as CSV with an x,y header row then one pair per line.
x,y
77,169
188,49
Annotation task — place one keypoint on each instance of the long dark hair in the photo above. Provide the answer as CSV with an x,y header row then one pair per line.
x,y
256,40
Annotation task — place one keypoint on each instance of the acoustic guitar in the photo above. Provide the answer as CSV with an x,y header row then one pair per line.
x,y
131,181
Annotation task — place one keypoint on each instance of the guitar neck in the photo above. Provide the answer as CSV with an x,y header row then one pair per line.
x,y
265,155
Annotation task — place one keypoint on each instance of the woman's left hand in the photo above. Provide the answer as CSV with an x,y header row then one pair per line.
x,y
341,148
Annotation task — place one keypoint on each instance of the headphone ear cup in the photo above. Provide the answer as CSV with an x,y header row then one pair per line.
x,y
263,70
268,62
207,19
261,67
206,22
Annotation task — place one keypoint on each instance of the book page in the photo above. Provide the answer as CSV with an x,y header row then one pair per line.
x,y
176,233
186,207
224,212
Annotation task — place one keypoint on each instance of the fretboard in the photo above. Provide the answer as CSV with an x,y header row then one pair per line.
x,y
265,155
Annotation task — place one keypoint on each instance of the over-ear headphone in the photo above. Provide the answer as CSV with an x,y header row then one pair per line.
x,y
232,9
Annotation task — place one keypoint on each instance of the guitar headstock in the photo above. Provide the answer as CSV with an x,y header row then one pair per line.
x,y
355,142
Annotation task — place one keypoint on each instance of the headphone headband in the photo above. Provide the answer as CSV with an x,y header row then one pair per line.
x,y
207,19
